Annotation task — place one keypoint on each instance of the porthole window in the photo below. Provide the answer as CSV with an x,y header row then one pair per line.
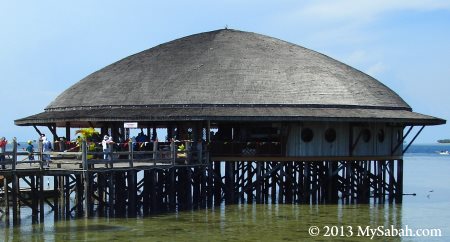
x,y
380,135
307,135
366,135
330,135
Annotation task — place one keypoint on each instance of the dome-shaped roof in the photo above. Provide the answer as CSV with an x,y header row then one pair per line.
x,y
228,67
227,75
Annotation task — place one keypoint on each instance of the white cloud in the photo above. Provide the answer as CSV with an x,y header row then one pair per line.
x,y
356,57
364,11
376,69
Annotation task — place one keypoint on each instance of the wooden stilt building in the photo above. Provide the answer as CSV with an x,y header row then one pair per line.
x,y
263,121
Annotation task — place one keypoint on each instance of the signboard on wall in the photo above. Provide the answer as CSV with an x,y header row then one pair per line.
x,y
132,125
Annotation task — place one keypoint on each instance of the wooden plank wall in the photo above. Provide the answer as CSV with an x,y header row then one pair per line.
x,y
383,140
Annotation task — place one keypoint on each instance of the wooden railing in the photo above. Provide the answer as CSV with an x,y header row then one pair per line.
x,y
164,153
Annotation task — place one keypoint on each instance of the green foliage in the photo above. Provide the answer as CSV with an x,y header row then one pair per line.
x,y
87,133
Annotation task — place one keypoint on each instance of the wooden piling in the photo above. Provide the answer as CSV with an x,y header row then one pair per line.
x,y
132,203
172,187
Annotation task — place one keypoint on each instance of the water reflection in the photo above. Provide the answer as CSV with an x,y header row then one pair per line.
x,y
274,222
234,222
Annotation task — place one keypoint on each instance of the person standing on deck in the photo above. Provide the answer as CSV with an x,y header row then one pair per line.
x,y
30,150
46,147
3,143
106,145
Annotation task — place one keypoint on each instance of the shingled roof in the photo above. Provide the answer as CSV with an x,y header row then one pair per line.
x,y
228,75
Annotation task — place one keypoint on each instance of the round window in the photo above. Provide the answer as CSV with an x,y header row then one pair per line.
x,y
330,135
307,135
380,135
366,135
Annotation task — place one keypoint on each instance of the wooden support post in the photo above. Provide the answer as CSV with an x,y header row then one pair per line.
x,y
333,181
391,181
155,152
161,191
148,132
281,188
208,131
196,187
365,186
153,192
154,134
173,151
274,179
399,190
380,184
68,131
6,196
172,189
170,132
203,189
86,179
101,184
14,155
314,185
34,202
306,183
132,193
15,187
131,153
240,181
218,188
229,183
258,182
189,187
264,183
146,193
66,195
56,212
41,198
249,182
181,191
15,201
288,182
210,185
120,201
199,150
79,195
112,194
300,182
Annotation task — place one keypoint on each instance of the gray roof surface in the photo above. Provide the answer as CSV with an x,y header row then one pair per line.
x,y
228,67
228,75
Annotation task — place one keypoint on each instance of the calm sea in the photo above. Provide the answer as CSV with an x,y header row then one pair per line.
x,y
426,173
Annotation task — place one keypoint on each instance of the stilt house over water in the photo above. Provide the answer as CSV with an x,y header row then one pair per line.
x,y
313,126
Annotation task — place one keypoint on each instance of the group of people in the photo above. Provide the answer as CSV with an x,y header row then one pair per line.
x,y
107,146
46,147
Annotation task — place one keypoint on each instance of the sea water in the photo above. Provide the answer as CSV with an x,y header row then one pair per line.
x,y
426,173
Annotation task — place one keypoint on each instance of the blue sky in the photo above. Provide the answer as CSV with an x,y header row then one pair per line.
x,y
46,46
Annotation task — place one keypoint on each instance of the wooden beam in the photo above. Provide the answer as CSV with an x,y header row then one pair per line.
x,y
403,139
415,136
37,130
52,129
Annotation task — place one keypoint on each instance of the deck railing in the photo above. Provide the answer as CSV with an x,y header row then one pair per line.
x,y
161,153
88,155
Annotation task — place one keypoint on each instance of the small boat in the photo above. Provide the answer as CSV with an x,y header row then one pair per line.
x,y
444,152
